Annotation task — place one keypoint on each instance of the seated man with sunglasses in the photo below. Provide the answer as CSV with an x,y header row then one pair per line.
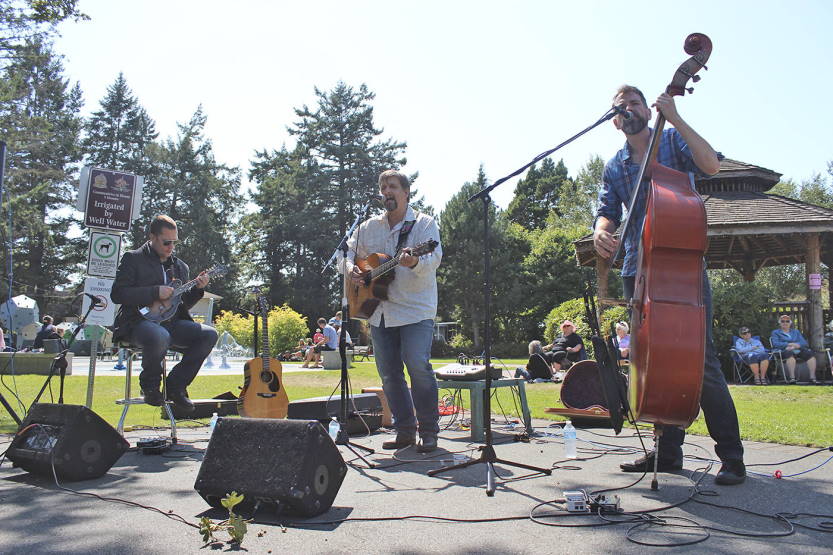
x,y
146,275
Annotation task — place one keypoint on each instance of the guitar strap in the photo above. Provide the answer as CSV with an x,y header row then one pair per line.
x,y
403,235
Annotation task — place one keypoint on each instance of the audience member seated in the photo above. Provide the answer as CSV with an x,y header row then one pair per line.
x,y
567,348
793,346
828,338
624,339
47,331
752,352
539,366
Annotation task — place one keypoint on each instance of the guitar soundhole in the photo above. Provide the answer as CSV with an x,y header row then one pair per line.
x,y
271,379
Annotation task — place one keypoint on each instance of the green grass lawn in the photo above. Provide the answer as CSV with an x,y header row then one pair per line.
x,y
797,415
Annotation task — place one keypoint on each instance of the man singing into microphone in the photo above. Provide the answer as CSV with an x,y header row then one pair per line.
x,y
402,326
682,149
144,276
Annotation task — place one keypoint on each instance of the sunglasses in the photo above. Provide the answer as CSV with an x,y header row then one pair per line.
x,y
170,242
786,321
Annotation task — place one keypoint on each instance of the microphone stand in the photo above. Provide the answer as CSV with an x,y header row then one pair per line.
x,y
60,361
487,451
343,438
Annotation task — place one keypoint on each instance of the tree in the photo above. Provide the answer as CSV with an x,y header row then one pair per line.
x,y
538,194
30,21
201,195
322,181
120,137
579,198
40,123
461,277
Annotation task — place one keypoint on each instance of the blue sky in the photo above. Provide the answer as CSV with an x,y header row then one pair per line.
x,y
466,82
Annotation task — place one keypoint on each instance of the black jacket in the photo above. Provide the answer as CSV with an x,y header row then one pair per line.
x,y
137,283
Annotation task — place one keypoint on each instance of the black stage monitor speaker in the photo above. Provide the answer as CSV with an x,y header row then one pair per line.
x,y
78,441
290,464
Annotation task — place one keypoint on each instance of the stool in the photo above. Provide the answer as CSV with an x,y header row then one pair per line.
x,y
477,389
131,351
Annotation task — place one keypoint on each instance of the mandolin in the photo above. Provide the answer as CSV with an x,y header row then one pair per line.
x,y
378,274
162,311
263,394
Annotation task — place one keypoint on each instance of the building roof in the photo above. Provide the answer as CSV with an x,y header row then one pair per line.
x,y
747,228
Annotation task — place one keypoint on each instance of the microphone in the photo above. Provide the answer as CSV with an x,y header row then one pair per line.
x,y
379,199
94,301
626,114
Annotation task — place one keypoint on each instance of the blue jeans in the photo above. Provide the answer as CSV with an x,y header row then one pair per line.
x,y
715,399
194,340
408,346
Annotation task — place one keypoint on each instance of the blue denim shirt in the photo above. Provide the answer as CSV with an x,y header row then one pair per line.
x,y
779,339
618,182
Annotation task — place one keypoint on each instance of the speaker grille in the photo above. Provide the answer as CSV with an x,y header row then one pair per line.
x,y
291,464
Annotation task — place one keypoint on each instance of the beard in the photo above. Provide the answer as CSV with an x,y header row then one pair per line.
x,y
634,125
391,205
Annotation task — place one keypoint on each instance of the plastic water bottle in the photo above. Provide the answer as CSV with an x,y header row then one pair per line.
x,y
213,422
335,427
569,440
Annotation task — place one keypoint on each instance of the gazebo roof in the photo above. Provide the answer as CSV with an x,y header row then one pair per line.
x,y
747,228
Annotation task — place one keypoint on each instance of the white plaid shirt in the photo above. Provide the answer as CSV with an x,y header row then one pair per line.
x,y
412,295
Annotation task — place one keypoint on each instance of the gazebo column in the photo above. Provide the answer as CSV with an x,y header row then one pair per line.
x,y
813,266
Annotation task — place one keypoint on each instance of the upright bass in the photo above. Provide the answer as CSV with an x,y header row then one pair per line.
x,y
668,312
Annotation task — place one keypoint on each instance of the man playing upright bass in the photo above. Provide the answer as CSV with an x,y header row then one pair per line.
x,y
402,325
684,150
145,275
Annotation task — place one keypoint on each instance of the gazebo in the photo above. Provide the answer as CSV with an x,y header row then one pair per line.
x,y
749,229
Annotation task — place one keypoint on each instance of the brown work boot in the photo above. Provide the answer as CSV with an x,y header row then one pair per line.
x,y
403,439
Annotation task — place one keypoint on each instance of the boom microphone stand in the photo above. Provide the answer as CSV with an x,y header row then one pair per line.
x,y
343,437
487,451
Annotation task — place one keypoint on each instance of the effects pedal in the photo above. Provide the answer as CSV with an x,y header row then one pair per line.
x,y
153,445
576,501
605,503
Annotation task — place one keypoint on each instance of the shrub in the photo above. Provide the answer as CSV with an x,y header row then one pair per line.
x,y
286,327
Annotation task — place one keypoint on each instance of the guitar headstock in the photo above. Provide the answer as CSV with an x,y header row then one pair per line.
x,y
700,47
424,248
262,303
217,270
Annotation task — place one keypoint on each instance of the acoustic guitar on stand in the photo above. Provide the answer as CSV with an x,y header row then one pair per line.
x,y
378,274
263,394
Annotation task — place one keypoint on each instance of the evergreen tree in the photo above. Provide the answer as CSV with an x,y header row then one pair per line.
x,y
538,194
460,276
40,123
120,136
307,197
202,196
23,22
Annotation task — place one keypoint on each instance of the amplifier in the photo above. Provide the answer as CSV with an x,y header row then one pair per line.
x,y
368,405
466,372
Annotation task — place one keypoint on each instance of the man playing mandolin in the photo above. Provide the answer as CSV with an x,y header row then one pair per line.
x,y
147,275
402,325
682,149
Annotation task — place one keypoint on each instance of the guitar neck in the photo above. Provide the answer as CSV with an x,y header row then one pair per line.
x,y
264,341
385,267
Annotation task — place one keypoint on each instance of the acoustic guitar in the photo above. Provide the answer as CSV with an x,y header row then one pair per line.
x,y
162,311
263,394
378,273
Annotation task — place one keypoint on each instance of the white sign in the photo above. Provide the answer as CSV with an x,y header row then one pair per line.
x,y
105,313
103,254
